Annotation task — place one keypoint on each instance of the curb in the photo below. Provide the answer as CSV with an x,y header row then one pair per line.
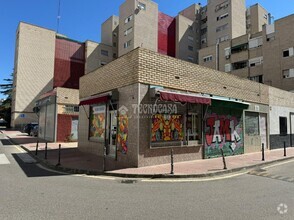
x,y
149,176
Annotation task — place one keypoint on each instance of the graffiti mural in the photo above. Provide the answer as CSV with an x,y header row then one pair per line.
x,y
223,131
122,138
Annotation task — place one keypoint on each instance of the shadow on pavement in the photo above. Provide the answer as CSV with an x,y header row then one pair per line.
x,y
32,170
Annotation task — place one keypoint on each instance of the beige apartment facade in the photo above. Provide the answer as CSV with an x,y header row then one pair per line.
x,y
34,45
265,57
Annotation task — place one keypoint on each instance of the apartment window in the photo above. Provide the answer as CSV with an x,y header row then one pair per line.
x,y
127,44
128,31
283,126
239,65
114,44
128,19
221,6
190,38
203,31
70,109
191,59
222,16
203,41
288,73
239,48
289,52
104,53
207,58
256,61
265,16
142,6
114,55
222,39
256,42
258,79
221,28
190,48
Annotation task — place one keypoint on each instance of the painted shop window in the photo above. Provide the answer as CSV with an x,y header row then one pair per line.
x,y
167,127
251,123
97,122
283,126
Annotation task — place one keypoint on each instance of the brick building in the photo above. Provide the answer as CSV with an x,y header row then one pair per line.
x,y
198,111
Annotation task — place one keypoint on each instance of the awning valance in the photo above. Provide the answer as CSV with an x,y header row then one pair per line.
x,y
94,100
184,97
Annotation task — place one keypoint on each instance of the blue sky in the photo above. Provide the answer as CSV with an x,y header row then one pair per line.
x,y
81,19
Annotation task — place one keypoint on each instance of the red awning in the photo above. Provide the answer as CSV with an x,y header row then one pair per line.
x,y
184,97
94,100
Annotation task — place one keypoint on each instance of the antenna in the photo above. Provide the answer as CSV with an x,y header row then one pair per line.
x,y
58,17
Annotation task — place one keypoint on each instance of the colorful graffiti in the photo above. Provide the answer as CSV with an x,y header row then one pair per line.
x,y
223,132
122,137
97,120
167,127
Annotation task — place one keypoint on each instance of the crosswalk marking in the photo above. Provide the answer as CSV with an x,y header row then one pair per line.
x,y
3,159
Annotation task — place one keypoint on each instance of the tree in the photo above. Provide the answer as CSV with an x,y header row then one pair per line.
x,y
5,108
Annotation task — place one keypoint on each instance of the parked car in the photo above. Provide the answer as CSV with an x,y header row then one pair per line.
x,y
3,122
34,131
28,127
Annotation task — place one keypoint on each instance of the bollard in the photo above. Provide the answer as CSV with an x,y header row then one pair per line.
x,y
262,152
172,162
59,149
285,152
224,159
37,146
46,151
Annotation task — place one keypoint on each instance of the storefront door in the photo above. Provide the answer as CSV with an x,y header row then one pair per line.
x,y
263,129
112,133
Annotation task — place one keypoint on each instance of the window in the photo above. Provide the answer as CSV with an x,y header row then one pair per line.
x,y
251,123
258,79
256,61
128,19
239,65
128,31
289,52
203,41
223,5
288,73
114,44
114,34
70,109
141,6
127,44
191,59
221,28
104,53
221,39
283,126
239,48
190,38
265,16
203,31
190,48
97,122
114,55
207,58
222,16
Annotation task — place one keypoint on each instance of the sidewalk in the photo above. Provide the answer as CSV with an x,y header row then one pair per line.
x,y
73,160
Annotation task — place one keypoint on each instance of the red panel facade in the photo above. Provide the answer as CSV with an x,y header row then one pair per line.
x,y
166,34
69,63
64,127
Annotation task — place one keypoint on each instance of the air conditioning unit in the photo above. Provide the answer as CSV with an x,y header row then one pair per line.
x,y
228,57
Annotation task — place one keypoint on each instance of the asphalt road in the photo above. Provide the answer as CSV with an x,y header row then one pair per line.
x,y
27,191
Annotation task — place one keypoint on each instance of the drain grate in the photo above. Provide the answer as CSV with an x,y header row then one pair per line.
x,y
126,181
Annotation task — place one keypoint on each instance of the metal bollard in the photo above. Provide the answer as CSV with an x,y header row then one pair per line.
x,y
224,159
285,151
46,151
37,146
262,152
59,149
172,161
